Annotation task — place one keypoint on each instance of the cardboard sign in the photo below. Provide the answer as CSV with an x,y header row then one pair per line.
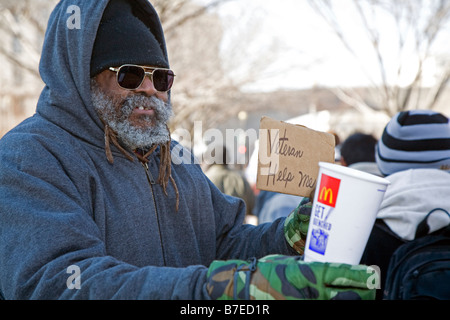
x,y
289,156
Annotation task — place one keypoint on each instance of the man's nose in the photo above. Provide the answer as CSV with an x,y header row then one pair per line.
x,y
147,87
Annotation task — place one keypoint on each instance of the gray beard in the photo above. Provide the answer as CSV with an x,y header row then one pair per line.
x,y
115,112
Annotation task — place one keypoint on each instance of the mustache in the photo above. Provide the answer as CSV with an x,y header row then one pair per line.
x,y
163,110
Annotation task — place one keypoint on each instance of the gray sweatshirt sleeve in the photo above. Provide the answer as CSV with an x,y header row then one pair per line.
x,y
52,248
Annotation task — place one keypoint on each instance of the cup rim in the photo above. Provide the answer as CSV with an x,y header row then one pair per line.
x,y
354,173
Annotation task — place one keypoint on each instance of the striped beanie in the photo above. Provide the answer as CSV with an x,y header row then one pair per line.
x,y
414,139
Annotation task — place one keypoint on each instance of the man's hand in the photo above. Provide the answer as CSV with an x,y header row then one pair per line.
x,y
296,225
288,278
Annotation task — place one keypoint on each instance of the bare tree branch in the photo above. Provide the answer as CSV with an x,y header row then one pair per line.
x,y
192,15
420,21
14,60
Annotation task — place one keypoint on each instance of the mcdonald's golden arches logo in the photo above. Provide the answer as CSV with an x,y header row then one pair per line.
x,y
328,190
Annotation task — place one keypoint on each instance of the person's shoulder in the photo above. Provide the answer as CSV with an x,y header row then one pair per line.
x,y
35,138
24,134
184,161
418,174
181,154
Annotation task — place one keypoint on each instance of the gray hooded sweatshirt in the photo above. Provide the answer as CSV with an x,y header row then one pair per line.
x,y
74,226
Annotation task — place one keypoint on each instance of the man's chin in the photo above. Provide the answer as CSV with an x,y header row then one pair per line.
x,y
142,125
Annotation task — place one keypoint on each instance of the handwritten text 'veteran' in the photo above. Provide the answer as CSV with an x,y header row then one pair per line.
x,y
282,147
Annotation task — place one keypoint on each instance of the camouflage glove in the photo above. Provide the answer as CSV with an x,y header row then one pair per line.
x,y
287,278
296,225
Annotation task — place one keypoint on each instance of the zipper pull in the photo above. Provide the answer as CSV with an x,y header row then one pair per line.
x,y
149,173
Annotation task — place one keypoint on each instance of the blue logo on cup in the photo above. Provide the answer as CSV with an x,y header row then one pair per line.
x,y
318,242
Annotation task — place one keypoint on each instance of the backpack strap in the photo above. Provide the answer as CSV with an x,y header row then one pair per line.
x,y
423,228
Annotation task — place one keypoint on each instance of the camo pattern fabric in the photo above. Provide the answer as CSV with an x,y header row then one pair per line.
x,y
296,226
278,277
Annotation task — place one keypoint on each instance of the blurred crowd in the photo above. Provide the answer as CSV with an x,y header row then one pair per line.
x,y
413,154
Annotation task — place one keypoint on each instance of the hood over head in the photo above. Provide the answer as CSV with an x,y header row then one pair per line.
x,y
69,53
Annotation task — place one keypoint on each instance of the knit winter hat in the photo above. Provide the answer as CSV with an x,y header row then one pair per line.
x,y
414,139
122,38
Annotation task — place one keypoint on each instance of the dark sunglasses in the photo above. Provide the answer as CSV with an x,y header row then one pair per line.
x,y
130,77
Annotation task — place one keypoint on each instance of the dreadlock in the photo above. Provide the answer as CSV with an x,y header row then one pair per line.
x,y
165,167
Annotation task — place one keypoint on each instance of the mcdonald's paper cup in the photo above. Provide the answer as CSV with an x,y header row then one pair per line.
x,y
345,206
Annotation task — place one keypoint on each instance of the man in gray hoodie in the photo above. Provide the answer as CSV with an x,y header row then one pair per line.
x,y
93,204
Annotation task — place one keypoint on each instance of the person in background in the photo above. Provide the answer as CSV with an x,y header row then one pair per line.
x,y
230,181
96,201
414,155
358,152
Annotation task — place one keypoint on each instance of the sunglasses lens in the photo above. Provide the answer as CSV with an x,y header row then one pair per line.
x,y
130,77
163,79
